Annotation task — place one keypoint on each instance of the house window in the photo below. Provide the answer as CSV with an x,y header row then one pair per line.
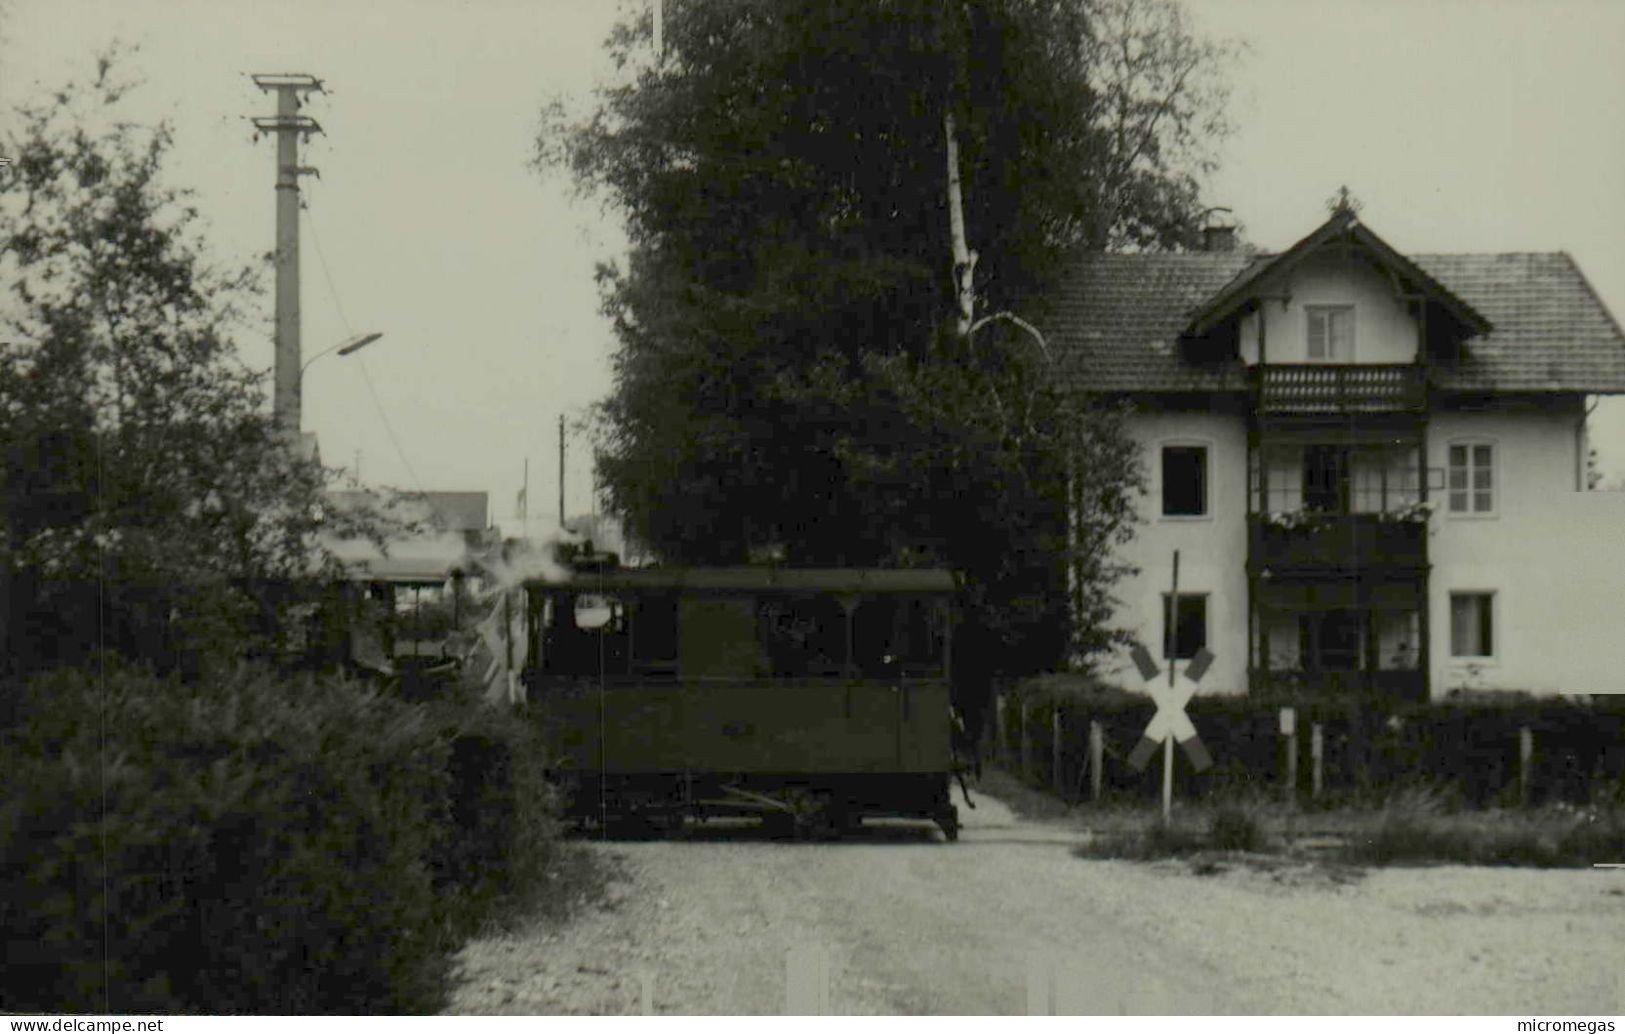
x,y
1184,480
1472,478
1331,333
1472,624
1326,478
1190,625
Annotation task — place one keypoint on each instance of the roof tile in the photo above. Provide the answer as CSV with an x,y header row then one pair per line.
x,y
1117,321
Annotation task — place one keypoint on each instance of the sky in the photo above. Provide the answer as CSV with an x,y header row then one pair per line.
x,y
1490,125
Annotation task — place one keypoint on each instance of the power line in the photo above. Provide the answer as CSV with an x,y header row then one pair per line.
x,y
366,375
396,442
332,290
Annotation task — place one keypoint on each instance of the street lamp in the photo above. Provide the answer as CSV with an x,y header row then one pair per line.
x,y
285,406
345,347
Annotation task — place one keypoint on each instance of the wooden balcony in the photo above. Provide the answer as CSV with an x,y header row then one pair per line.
x,y
1343,388
1338,545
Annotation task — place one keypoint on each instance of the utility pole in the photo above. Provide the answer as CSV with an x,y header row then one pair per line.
x,y
561,473
524,504
289,126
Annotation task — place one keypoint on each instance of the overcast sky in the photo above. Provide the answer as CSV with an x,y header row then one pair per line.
x,y
1461,126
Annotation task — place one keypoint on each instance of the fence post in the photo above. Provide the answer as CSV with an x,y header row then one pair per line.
x,y
1001,731
1021,722
1289,729
1317,754
1055,773
1526,757
1097,758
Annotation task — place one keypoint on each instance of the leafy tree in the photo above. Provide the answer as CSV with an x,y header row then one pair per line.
x,y
792,369
149,504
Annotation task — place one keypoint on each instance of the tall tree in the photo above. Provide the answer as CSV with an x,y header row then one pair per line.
x,y
148,497
792,368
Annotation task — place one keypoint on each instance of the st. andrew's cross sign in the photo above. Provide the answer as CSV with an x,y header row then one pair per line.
x,y
1171,719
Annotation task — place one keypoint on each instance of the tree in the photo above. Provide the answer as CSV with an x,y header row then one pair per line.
x,y
150,505
791,370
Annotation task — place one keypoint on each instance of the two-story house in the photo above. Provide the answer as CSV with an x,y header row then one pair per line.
x,y
1372,465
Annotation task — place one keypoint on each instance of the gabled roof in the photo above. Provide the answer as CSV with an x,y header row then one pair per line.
x,y
448,511
1116,323
1552,332
1344,224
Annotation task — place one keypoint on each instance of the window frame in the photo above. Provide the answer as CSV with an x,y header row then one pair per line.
x,y
1207,479
1327,310
1492,608
1494,467
1162,617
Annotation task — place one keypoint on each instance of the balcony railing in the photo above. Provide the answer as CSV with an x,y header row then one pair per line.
x,y
1338,543
1325,388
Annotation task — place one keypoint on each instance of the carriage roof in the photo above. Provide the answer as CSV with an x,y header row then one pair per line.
x,y
757,579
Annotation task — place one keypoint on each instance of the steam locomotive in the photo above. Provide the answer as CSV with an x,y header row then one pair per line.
x,y
810,698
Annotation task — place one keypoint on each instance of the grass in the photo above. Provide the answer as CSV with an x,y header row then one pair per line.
x,y
1231,828
1415,828
1411,827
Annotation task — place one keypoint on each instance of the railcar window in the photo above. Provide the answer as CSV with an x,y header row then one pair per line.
x,y
584,634
804,637
654,634
717,638
899,636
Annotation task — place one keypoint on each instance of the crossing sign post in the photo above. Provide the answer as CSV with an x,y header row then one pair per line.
x,y
1171,724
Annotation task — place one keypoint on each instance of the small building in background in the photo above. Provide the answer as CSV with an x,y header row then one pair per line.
x,y
425,596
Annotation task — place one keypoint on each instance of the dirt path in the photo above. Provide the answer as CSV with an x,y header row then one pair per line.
x,y
909,925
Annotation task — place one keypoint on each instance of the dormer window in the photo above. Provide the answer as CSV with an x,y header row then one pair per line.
x,y
1331,333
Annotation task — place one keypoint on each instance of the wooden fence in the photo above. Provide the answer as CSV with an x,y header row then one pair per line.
x,y
1488,754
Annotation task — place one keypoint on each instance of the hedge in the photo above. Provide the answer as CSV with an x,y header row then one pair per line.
x,y
252,845
1466,745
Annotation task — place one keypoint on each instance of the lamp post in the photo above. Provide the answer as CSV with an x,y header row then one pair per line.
x,y
345,347
287,415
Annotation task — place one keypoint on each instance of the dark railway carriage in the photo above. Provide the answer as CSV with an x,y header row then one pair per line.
x,y
812,698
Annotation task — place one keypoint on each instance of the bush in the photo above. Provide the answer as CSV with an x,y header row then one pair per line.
x,y
1371,747
1236,828
247,846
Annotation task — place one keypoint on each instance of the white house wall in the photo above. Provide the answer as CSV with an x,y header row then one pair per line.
x,y
1553,556
1212,548
1384,331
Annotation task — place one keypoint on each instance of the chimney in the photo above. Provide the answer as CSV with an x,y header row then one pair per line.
x,y
1218,238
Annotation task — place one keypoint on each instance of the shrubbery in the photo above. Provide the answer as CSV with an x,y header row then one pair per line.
x,y
253,845
1372,747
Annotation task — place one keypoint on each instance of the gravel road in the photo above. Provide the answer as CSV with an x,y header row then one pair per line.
x,y
1008,921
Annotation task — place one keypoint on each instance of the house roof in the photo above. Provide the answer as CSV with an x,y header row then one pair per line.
x,y
1344,225
1117,322
449,511
1552,332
